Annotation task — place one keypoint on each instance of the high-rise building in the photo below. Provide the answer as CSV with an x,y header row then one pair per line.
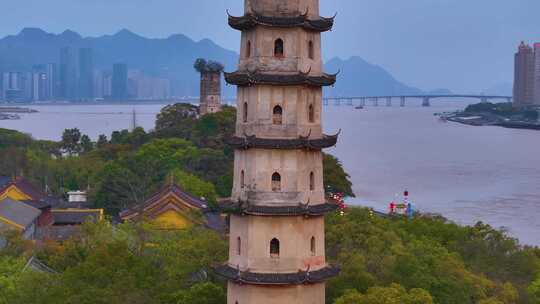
x,y
52,80
40,83
277,234
120,82
86,74
68,73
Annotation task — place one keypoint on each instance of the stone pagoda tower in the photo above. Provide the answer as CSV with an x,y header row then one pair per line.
x,y
210,96
277,246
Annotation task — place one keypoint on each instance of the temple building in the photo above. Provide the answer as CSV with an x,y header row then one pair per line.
x,y
174,209
277,234
56,219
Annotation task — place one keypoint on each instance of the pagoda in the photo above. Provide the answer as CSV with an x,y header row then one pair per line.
x,y
277,242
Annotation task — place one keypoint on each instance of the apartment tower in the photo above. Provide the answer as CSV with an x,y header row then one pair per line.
x,y
277,235
524,81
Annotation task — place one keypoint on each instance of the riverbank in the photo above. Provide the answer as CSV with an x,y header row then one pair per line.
x,y
485,119
504,115
10,109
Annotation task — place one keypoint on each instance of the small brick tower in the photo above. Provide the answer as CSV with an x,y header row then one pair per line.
x,y
277,242
210,100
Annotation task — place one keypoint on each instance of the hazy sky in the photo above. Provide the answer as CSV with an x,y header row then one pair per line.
x,y
463,45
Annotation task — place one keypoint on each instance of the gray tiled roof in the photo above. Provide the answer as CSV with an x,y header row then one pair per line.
x,y
18,212
75,217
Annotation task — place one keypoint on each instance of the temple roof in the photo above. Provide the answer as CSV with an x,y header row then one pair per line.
x,y
300,277
153,205
191,200
15,214
248,142
76,216
247,79
23,185
251,20
246,208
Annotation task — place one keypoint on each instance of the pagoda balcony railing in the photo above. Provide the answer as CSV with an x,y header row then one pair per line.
x,y
251,20
293,278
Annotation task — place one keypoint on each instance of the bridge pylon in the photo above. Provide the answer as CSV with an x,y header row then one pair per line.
x,y
376,102
388,101
402,101
426,102
363,102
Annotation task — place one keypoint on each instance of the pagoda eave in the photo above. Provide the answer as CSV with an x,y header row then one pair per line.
x,y
296,278
250,21
253,142
245,208
246,79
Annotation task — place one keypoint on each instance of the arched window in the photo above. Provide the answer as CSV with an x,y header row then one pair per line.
x,y
242,179
276,182
313,246
274,248
238,246
278,48
312,181
248,49
277,115
245,112
311,114
311,52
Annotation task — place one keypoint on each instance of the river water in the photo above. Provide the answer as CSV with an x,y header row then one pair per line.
x,y
465,173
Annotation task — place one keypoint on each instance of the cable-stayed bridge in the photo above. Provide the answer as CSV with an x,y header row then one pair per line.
x,y
388,100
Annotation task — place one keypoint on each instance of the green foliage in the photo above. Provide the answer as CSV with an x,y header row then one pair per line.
x,y
395,294
534,291
203,293
71,141
335,178
195,185
86,144
502,109
454,264
127,264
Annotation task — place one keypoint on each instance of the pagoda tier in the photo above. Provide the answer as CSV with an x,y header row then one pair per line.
x,y
247,208
244,79
253,142
251,20
298,278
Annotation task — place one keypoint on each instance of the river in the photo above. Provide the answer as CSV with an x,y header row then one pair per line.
x,y
465,173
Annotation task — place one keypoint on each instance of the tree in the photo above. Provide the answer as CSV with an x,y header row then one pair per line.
x,y
394,294
203,293
86,144
195,186
335,178
102,141
70,141
534,291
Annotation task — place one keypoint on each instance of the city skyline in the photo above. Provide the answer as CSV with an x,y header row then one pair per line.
x,y
462,33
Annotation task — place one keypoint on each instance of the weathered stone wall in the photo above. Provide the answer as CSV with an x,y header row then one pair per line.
x,y
294,235
295,102
294,166
301,294
210,101
283,7
296,50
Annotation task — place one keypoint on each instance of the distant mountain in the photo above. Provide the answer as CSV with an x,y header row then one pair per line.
x,y
357,77
173,58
